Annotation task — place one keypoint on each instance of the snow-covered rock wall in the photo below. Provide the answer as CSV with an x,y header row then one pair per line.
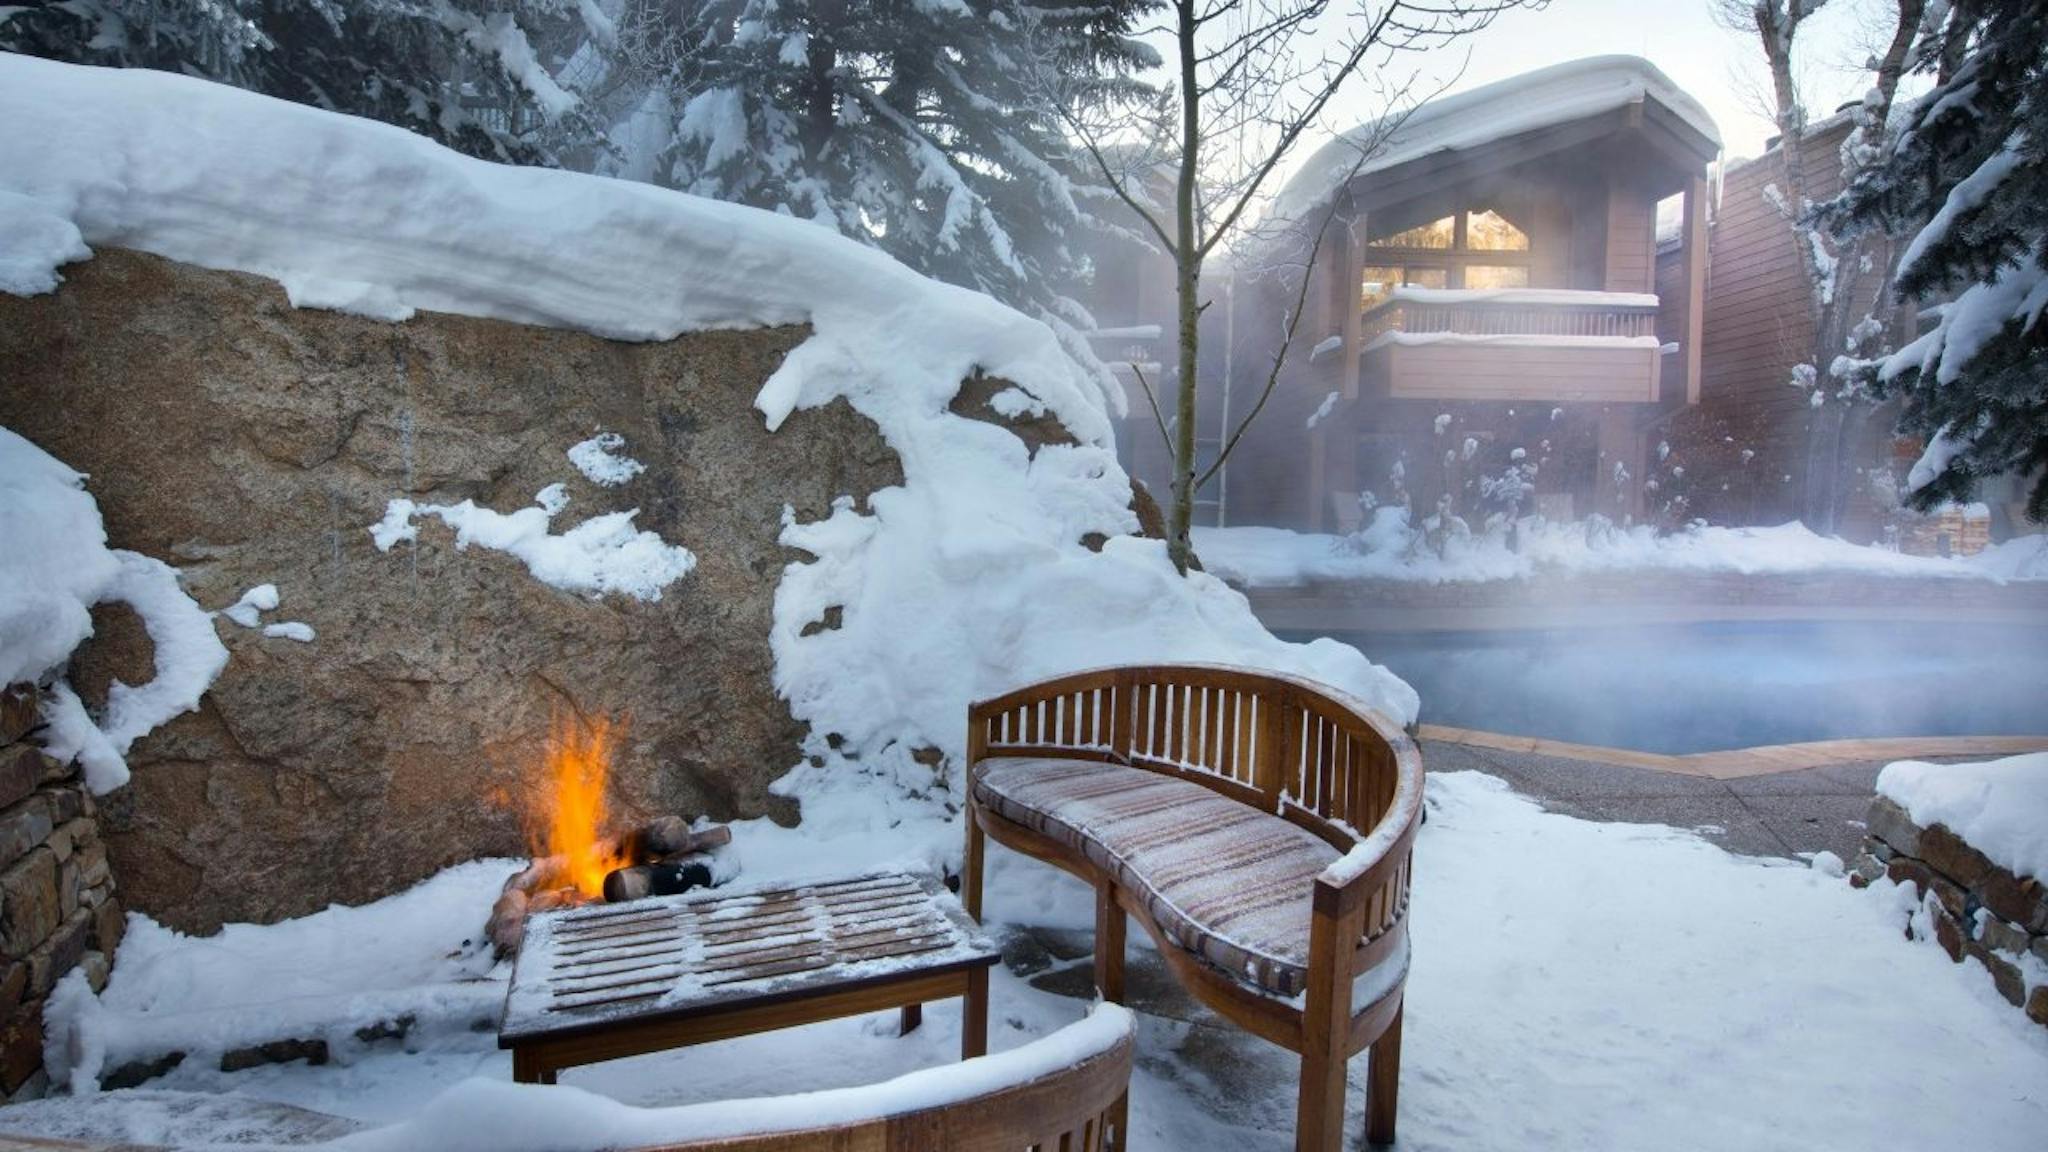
x,y
254,444
862,500
58,910
1970,839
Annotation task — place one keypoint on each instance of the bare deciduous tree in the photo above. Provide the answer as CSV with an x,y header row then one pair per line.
x,y
1849,277
1251,78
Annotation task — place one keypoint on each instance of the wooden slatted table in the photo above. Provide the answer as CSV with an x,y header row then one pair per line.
x,y
600,982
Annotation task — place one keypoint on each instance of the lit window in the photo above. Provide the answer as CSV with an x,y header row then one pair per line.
x,y
1436,234
1378,281
1496,275
1489,231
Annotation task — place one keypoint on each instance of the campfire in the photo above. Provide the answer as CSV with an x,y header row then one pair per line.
x,y
579,855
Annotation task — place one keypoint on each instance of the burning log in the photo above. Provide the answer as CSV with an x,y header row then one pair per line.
x,y
662,878
669,836
660,839
660,857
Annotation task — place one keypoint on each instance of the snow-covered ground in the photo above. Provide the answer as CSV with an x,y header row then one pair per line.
x,y
1277,557
1575,985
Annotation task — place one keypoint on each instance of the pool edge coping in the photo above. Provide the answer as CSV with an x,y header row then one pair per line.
x,y
1738,763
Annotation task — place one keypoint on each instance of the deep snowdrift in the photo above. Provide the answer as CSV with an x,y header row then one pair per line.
x,y
968,579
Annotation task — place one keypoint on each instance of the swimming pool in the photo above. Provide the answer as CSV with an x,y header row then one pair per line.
x,y
1679,688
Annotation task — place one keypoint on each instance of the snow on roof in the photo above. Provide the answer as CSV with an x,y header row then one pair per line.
x,y
1554,95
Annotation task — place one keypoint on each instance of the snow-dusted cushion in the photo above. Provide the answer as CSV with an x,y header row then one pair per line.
x,y
1225,881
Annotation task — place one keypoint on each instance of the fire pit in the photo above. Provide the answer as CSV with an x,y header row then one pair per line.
x,y
577,860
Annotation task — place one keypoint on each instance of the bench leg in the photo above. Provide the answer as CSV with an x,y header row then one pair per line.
x,y
970,868
913,1015
1109,944
1325,1024
1383,1084
974,1015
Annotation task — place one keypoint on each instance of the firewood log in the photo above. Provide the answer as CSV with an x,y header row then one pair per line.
x,y
507,926
666,837
663,878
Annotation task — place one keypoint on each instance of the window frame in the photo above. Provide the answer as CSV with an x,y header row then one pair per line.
x,y
1453,260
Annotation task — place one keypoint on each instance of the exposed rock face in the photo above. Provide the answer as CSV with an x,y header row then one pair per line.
x,y
248,443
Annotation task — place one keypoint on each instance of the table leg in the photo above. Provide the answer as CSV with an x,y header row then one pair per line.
x,y
974,1015
913,1015
528,1068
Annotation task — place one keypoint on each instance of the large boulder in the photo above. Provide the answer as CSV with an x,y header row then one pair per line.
x,y
249,442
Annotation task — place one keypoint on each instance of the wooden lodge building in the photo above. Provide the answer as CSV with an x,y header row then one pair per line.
x,y
1539,296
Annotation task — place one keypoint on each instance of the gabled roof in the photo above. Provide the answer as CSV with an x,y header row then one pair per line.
x,y
1545,98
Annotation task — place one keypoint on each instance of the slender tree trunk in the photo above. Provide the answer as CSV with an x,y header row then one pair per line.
x,y
1188,287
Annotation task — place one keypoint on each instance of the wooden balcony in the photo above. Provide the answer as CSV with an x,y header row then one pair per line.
x,y
1513,344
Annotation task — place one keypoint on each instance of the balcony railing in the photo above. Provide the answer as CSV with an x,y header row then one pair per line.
x,y
1512,312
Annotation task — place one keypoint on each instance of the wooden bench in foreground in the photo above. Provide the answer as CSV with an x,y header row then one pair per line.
x,y
1258,827
1056,1094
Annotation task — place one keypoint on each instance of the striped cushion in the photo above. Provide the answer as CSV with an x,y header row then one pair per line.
x,y
1225,881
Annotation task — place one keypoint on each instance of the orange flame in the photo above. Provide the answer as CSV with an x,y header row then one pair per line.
x,y
573,805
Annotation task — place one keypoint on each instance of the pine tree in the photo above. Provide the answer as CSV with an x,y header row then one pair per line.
x,y
1967,178
920,127
462,72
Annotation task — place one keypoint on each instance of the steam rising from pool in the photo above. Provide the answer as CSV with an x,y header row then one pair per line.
x,y
1705,687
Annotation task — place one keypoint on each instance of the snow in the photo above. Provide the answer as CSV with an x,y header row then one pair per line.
x,y
1555,95
417,953
55,567
33,241
1390,550
2000,807
1561,297
1966,325
490,1116
1510,340
1968,195
289,630
601,461
248,611
56,564
603,555
1637,988
1324,409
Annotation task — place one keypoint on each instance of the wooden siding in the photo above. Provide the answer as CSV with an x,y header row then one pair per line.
x,y
1631,241
1507,372
1759,317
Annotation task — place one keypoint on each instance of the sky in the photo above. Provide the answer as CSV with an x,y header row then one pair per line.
x,y
1678,36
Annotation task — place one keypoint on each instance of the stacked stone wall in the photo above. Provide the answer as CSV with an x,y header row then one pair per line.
x,y
1976,908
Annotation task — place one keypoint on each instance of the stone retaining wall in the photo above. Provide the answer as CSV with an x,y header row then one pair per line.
x,y
57,905
1978,908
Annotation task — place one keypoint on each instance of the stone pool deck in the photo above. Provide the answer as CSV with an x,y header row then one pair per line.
x,y
1786,800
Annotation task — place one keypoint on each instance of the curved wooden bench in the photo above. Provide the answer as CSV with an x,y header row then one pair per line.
x,y
1259,827
1059,1092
